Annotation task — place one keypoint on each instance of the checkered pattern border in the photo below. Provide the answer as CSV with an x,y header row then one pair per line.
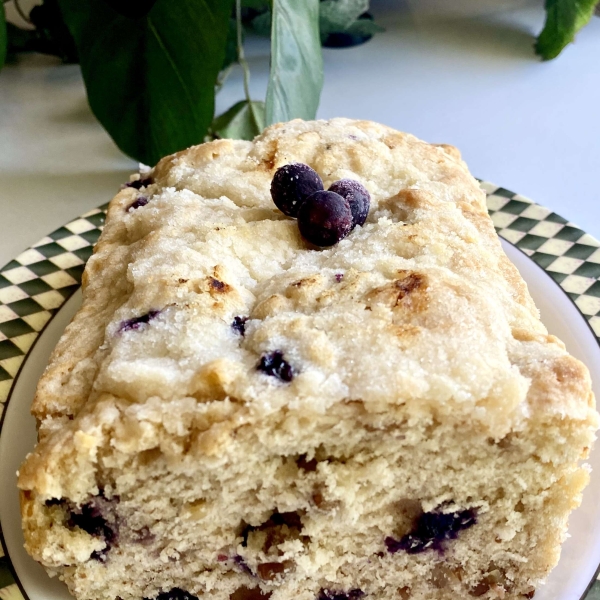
x,y
568,254
35,285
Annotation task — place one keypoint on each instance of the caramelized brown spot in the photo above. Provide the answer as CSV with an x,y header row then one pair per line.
x,y
246,593
213,380
270,306
404,333
480,589
505,442
409,282
567,369
305,281
450,150
414,198
269,571
393,293
217,285
268,162
393,140
318,499
306,289
529,594
404,593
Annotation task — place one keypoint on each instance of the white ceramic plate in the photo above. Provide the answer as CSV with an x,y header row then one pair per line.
x,y
559,262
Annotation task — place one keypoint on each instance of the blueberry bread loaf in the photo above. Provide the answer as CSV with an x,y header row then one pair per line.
x,y
237,414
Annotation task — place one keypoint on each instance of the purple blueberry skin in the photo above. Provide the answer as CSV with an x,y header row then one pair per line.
x,y
138,322
242,564
175,594
325,218
274,365
239,325
91,519
97,517
432,530
139,183
141,201
291,185
358,197
335,595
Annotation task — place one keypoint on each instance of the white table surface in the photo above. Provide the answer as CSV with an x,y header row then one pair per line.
x,y
472,81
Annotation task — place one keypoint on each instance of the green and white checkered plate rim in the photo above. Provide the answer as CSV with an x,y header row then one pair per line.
x,y
36,284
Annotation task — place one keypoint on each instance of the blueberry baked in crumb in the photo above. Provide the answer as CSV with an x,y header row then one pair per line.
x,y
304,368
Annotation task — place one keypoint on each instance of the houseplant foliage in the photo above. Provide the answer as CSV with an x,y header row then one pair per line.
x,y
152,67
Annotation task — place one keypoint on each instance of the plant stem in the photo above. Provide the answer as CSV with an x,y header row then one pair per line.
x,y
222,77
242,62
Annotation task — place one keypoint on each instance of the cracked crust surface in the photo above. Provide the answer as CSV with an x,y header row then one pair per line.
x,y
417,316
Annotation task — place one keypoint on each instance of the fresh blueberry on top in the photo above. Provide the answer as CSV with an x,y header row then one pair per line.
x,y
325,218
141,201
358,197
139,183
291,185
274,365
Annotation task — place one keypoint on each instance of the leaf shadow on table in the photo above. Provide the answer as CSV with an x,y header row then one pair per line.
x,y
485,36
499,35
78,113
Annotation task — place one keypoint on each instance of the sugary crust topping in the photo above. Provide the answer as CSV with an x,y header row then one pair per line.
x,y
418,308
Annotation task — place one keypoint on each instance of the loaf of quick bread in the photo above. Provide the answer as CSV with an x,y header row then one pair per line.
x,y
237,414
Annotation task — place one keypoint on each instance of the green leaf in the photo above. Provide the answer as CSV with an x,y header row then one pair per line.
x,y
51,35
338,15
238,122
256,4
230,45
261,24
564,18
296,76
3,36
150,80
131,8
